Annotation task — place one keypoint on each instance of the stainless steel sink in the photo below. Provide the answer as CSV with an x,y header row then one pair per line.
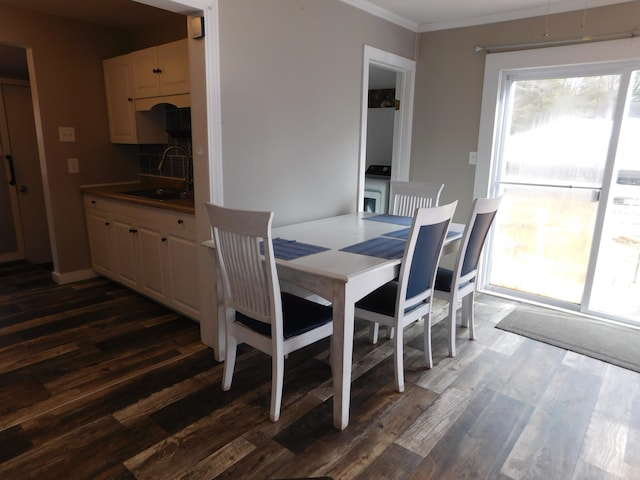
x,y
159,193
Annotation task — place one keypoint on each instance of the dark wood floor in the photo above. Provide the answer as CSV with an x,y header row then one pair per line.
x,y
97,382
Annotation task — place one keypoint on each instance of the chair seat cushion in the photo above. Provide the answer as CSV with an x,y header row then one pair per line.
x,y
444,278
299,316
382,300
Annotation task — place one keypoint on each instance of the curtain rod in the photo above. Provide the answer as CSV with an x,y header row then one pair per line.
x,y
552,43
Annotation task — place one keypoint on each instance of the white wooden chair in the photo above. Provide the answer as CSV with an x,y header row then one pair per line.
x,y
460,283
273,322
405,197
408,299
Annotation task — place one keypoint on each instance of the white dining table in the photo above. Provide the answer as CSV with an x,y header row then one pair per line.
x,y
343,278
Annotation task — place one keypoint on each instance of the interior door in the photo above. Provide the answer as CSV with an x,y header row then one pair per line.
x,y
22,146
11,244
11,241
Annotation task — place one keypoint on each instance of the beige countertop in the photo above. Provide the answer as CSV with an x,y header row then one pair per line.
x,y
117,192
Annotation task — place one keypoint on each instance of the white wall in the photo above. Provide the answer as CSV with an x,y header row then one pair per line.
x,y
291,80
380,136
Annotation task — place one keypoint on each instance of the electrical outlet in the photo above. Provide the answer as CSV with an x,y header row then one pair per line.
x,y
473,158
67,134
73,166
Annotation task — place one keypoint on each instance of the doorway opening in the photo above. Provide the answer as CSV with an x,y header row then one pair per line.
x,y
392,136
25,233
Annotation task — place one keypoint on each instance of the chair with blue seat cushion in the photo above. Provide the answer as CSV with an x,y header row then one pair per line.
x,y
401,302
459,284
405,197
269,320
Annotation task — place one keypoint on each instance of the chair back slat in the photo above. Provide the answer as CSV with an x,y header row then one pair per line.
x,y
405,197
249,276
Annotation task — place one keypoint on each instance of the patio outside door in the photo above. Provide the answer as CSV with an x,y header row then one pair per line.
x,y
568,232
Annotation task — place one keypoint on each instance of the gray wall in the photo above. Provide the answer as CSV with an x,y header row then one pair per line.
x,y
291,83
449,82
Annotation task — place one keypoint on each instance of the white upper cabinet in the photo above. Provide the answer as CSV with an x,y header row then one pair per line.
x,y
120,104
156,71
161,70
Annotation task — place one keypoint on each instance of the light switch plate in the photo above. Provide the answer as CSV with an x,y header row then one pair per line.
x,y
72,164
67,134
473,158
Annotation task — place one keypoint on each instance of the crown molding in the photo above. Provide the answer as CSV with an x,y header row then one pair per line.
x,y
383,13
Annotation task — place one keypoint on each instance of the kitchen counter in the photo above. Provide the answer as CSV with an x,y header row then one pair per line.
x,y
117,191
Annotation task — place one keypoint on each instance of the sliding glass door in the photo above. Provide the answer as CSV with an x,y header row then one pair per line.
x,y
568,167
615,284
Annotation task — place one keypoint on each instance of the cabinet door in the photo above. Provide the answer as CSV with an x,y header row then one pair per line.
x,y
98,225
120,105
173,61
183,268
152,244
146,78
123,237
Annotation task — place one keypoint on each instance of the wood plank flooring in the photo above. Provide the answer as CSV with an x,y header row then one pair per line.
x,y
97,382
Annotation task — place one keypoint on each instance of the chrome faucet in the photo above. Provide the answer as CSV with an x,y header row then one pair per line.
x,y
187,171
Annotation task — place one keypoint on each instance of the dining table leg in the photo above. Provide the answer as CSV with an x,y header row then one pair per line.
x,y
342,354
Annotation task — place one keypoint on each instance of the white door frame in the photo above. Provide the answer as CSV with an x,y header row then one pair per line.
x,y
207,150
403,125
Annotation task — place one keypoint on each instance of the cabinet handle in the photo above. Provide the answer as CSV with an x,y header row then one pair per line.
x,y
157,70
133,230
129,99
106,224
93,202
180,222
164,239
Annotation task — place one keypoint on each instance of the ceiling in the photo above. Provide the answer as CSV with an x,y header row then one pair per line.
x,y
428,15
417,15
122,14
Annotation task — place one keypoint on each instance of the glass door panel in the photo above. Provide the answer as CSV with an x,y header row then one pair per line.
x,y
616,282
555,143
542,241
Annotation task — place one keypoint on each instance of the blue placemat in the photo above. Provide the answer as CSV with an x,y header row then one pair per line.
x,y
395,219
383,247
404,233
290,249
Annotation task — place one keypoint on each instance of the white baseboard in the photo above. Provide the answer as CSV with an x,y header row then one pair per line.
x,y
71,277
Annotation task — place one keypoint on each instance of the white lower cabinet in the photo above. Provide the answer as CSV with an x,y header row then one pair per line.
x,y
150,250
183,263
99,226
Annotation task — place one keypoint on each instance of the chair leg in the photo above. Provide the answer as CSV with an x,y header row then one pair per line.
x,y
398,361
452,326
374,329
468,314
428,354
464,311
277,382
229,363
